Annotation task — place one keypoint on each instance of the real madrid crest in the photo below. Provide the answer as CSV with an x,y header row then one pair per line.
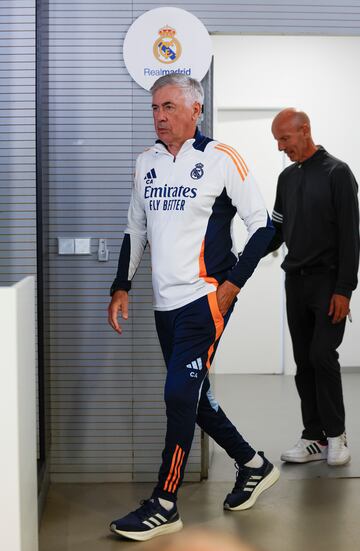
x,y
197,172
167,48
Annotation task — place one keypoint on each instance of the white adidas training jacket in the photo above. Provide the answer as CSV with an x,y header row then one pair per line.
x,y
184,208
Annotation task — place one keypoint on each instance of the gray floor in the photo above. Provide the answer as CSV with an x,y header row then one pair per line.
x,y
266,410
312,506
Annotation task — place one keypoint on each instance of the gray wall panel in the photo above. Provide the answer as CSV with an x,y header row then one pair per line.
x,y
266,16
88,118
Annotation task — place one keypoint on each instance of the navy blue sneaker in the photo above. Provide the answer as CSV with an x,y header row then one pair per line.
x,y
148,521
250,483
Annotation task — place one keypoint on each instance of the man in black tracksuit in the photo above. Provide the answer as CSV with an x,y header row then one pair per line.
x,y
316,214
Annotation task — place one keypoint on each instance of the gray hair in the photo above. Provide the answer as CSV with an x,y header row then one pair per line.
x,y
192,89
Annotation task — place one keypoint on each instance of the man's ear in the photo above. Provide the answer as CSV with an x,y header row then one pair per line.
x,y
196,110
306,130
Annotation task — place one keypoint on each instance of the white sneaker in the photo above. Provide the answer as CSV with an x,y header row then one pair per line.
x,y
338,453
305,451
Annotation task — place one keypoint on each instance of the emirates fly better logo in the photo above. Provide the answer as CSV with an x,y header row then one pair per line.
x,y
167,48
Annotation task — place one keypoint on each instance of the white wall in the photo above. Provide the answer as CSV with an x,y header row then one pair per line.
x,y
18,470
317,74
257,318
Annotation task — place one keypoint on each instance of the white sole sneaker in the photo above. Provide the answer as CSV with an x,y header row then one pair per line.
x,y
339,462
339,453
314,457
305,451
149,534
266,483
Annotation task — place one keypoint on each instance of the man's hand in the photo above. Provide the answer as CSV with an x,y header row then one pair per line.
x,y
119,303
339,308
225,294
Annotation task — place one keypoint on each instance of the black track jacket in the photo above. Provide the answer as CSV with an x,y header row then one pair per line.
x,y
316,213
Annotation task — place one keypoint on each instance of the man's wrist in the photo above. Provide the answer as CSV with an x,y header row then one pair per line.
x,y
119,285
343,293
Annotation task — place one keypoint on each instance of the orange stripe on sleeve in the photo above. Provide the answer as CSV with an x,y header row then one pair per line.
x,y
174,457
235,157
238,156
234,160
245,165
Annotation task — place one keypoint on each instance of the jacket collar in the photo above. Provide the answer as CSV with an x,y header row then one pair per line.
x,y
317,155
196,142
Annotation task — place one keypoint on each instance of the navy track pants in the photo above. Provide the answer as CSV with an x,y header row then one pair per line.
x,y
189,337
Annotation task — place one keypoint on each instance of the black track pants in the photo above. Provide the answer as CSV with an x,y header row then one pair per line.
x,y
315,341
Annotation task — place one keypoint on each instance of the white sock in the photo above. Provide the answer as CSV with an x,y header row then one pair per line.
x,y
256,462
168,505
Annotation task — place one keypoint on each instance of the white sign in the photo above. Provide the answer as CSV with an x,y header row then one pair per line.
x,y
164,41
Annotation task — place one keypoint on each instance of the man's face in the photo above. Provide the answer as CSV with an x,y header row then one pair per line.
x,y
174,116
292,138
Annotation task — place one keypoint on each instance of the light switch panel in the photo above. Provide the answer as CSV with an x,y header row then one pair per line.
x,y
82,245
66,245
103,251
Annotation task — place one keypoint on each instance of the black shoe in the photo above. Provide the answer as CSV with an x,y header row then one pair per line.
x,y
148,521
250,483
